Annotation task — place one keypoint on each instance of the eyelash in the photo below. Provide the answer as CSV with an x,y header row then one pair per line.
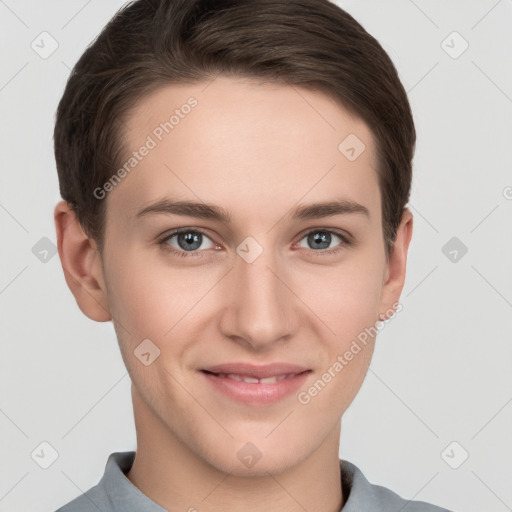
x,y
200,253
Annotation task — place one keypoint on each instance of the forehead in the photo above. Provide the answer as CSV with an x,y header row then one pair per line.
x,y
269,144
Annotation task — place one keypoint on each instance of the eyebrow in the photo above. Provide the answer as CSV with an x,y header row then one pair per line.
x,y
213,212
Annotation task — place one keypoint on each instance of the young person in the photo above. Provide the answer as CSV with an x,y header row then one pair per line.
x,y
234,177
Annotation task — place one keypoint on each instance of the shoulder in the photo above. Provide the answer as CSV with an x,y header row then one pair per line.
x,y
112,486
91,501
114,492
363,495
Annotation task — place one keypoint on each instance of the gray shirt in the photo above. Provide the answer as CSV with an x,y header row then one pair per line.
x,y
115,493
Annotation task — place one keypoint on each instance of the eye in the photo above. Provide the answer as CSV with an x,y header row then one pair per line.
x,y
322,239
186,242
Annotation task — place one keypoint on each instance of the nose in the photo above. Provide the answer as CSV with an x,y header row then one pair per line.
x,y
260,306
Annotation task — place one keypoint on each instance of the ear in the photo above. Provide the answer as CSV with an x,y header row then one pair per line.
x,y
81,263
394,277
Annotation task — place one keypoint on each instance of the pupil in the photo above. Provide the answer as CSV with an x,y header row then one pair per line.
x,y
324,238
190,239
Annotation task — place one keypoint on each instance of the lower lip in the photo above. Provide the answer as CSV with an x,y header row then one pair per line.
x,y
256,394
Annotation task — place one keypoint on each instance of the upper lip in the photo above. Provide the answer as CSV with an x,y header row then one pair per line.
x,y
260,372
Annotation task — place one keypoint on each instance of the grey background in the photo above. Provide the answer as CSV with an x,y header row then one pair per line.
x,y
441,369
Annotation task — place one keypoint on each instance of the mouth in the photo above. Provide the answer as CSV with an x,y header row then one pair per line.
x,y
249,379
243,369
257,387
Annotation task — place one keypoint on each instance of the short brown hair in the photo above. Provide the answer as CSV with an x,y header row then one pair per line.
x,y
152,43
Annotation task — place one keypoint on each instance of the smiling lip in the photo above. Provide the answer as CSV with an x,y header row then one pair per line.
x,y
260,372
229,379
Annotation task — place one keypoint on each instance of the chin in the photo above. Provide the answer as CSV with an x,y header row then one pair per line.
x,y
257,458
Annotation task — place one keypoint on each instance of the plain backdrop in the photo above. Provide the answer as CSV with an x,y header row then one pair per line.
x,y
433,418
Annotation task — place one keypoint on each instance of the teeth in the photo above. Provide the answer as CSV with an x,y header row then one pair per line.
x,y
250,380
255,380
231,376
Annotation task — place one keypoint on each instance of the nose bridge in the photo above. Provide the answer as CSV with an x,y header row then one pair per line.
x,y
260,305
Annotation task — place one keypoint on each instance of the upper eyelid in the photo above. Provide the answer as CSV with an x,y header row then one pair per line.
x,y
177,231
339,232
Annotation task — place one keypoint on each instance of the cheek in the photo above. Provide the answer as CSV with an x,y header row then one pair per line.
x,y
345,297
347,301
149,299
148,302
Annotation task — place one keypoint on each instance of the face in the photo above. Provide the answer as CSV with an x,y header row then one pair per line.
x,y
273,281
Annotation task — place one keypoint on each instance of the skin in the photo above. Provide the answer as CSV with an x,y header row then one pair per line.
x,y
257,150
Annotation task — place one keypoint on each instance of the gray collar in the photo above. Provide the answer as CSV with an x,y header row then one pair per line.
x,y
116,493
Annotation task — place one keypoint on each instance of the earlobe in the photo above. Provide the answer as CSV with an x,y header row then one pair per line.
x,y
81,264
396,267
